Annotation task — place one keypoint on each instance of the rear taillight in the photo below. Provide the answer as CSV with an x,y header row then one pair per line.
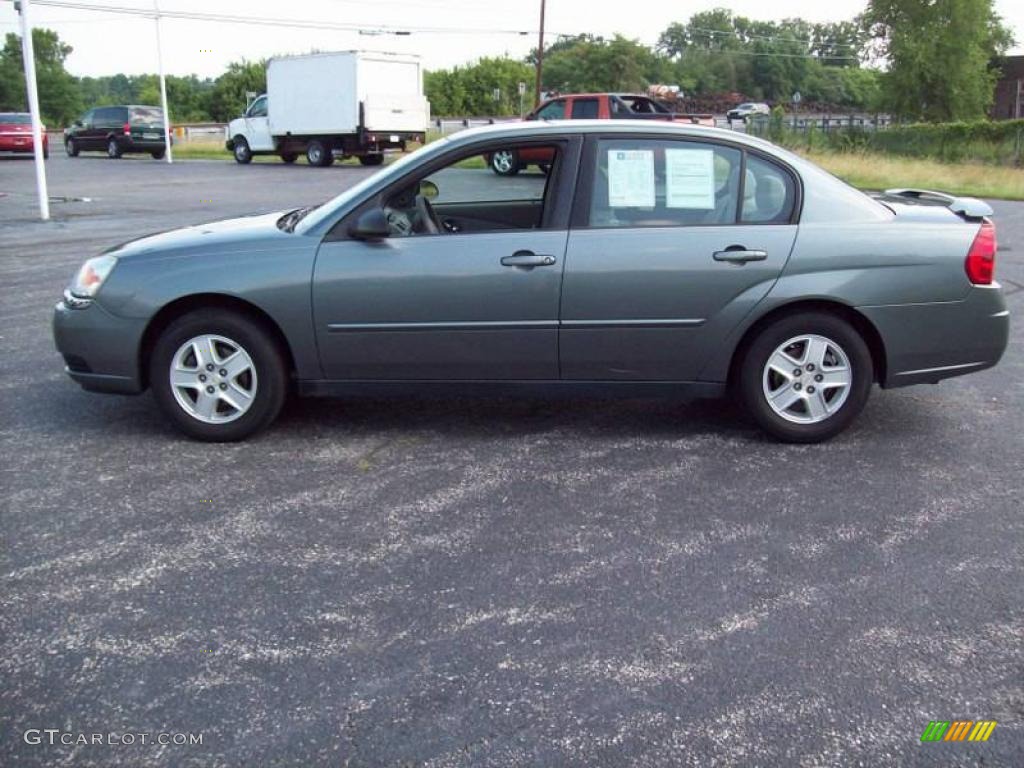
x,y
127,129
980,264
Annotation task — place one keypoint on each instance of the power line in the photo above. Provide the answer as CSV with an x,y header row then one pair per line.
x,y
274,22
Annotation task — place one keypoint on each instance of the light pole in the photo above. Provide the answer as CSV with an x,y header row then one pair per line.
x,y
28,56
540,58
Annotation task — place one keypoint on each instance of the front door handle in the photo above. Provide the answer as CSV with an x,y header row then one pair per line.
x,y
527,259
737,254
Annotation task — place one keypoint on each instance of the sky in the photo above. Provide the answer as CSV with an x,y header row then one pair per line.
x,y
450,31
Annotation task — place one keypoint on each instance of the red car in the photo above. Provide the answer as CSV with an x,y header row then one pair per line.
x,y
16,133
587,106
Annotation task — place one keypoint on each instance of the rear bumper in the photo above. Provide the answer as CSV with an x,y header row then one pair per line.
x,y
100,350
925,343
19,143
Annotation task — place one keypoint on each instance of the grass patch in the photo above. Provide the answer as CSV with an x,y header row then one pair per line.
x,y
875,171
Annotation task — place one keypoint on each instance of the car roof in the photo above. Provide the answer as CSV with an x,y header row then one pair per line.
x,y
541,128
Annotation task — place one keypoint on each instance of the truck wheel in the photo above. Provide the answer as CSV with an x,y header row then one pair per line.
x,y
505,162
243,154
288,157
377,158
318,154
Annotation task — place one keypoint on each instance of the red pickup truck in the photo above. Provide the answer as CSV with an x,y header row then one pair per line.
x,y
587,106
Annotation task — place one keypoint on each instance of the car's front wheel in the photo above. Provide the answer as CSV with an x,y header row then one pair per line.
x,y
240,149
218,375
805,377
71,148
505,162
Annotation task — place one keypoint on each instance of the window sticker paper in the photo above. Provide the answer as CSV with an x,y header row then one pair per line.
x,y
631,178
690,178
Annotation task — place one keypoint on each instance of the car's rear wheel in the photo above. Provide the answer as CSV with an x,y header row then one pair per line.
x,y
218,375
377,158
805,377
158,154
113,149
242,152
505,162
71,147
319,154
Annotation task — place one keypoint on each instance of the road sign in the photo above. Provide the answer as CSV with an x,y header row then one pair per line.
x,y
522,88
797,98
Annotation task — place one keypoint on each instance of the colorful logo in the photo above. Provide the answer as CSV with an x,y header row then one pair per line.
x,y
958,730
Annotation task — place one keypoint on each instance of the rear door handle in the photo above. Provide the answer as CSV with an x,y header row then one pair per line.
x,y
527,259
740,255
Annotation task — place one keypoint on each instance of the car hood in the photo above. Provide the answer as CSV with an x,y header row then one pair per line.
x,y
222,235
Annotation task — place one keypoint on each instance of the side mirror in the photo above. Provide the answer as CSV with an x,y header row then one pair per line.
x,y
371,225
428,189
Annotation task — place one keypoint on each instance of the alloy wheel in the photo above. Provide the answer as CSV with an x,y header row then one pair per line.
x,y
503,161
213,379
807,379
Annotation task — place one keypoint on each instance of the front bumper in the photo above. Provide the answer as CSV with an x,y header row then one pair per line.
x,y
925,343
100,350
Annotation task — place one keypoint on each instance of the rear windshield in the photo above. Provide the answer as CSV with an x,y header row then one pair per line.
x,y
15,117
148,114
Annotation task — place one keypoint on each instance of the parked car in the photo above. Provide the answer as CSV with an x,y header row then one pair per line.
x,y
747,109
117,131
588,106
354,103
16,133
655,259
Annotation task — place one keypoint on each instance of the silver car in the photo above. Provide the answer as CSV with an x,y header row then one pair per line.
x,y
651,259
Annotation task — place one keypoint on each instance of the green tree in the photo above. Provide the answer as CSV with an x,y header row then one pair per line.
x,y
939,54
227,97
470,89
59,98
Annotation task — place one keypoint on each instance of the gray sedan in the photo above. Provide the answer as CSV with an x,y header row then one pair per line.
x,y
651,259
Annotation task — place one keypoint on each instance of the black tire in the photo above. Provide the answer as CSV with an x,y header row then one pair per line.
x,y
271,376
377,158
240,149
288,157
158,154
545,168
71,148
752,377
318,154
114,151
504,162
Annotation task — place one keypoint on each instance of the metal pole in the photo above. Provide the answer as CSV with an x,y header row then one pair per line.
x,y
163,86
540,58
28,55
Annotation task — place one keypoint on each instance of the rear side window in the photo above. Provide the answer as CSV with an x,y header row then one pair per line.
x,y
664,183
768,193
583,109
14,118
111,115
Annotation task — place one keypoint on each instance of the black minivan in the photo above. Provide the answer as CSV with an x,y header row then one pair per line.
x,y
117,130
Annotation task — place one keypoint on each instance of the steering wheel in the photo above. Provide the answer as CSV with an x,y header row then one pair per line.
x,y
427,216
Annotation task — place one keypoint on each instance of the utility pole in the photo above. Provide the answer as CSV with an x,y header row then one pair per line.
x,y
163,86
28,56
540,58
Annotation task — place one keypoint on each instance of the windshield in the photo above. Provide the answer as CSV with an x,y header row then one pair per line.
x,y
328,209
16,118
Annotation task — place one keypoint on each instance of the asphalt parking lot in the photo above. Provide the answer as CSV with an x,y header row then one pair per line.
x,y
500,582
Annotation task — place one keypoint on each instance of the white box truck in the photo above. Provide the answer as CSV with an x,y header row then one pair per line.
x,y
351,103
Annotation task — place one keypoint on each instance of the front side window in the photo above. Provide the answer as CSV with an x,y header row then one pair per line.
x,y
466,196
583,109
259,107
768,193
664,183
553,111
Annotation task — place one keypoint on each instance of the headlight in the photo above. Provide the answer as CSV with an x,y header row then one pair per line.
x,y
91,276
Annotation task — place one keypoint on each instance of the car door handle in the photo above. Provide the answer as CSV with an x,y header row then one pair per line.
x,y
737,254
527,259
